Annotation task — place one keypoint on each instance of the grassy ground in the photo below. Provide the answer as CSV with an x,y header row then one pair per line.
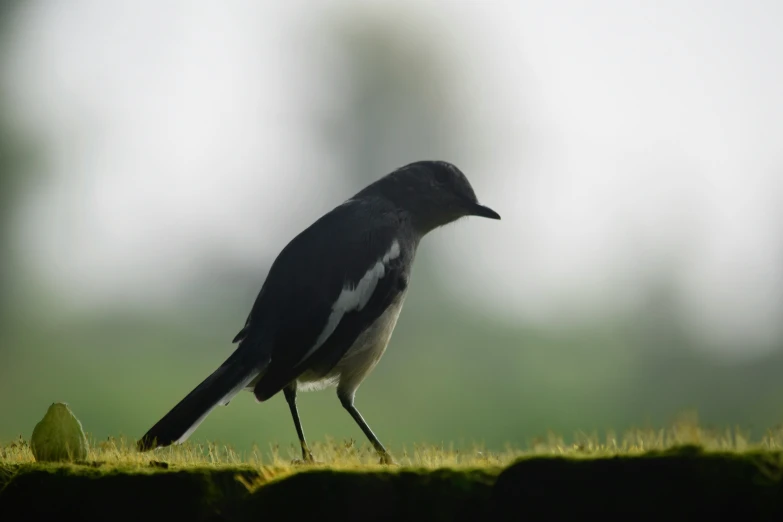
x,y
680,472
356,455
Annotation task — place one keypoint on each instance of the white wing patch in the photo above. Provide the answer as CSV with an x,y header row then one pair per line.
x,y
355,298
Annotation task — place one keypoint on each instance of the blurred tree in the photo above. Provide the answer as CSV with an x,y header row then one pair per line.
x,y
13,156
395,105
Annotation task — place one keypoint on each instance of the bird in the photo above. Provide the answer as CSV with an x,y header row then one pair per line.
x,y
330,301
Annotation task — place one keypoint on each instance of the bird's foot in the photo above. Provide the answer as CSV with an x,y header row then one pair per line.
x,y
306,462
387,460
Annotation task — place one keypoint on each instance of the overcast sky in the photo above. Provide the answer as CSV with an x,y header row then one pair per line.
x,y
181,124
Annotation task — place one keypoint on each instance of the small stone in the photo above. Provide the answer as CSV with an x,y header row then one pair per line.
x,y
59,436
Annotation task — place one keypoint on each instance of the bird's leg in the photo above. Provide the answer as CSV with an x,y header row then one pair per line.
x,y
347,401
290,397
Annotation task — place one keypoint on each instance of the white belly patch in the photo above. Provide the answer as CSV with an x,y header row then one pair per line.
x,y
361,357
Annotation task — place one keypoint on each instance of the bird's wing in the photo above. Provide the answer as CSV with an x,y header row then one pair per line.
x,y
326,286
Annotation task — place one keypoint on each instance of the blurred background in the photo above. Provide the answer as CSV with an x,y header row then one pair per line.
x,y
155,158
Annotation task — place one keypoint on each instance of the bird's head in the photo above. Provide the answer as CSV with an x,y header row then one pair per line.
x,y
435,193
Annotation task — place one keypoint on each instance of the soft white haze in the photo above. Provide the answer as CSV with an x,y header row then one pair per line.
x,y
180,131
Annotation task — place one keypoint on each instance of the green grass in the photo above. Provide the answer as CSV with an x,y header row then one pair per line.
x,y
121,452
681,471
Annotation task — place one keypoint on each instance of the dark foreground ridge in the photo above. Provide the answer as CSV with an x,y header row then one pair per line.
x,y
684,483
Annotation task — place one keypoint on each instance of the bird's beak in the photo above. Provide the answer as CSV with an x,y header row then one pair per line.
x,y
482,211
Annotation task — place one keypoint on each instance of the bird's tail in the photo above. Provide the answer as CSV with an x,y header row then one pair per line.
x,y
183,419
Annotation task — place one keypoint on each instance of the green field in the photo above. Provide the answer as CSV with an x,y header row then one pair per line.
x,y
683,472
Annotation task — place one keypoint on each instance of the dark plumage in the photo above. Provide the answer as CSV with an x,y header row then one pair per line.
x,y
331,299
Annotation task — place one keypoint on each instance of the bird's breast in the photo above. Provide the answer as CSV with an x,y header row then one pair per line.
x,y
362,356
376,337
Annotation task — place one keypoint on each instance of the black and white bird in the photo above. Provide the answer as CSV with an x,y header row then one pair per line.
x,y
331,299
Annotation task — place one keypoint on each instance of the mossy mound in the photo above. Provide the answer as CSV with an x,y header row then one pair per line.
x,y
59,436
680,484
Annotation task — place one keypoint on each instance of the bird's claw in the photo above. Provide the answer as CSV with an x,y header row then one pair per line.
x,y
305,462
387,460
